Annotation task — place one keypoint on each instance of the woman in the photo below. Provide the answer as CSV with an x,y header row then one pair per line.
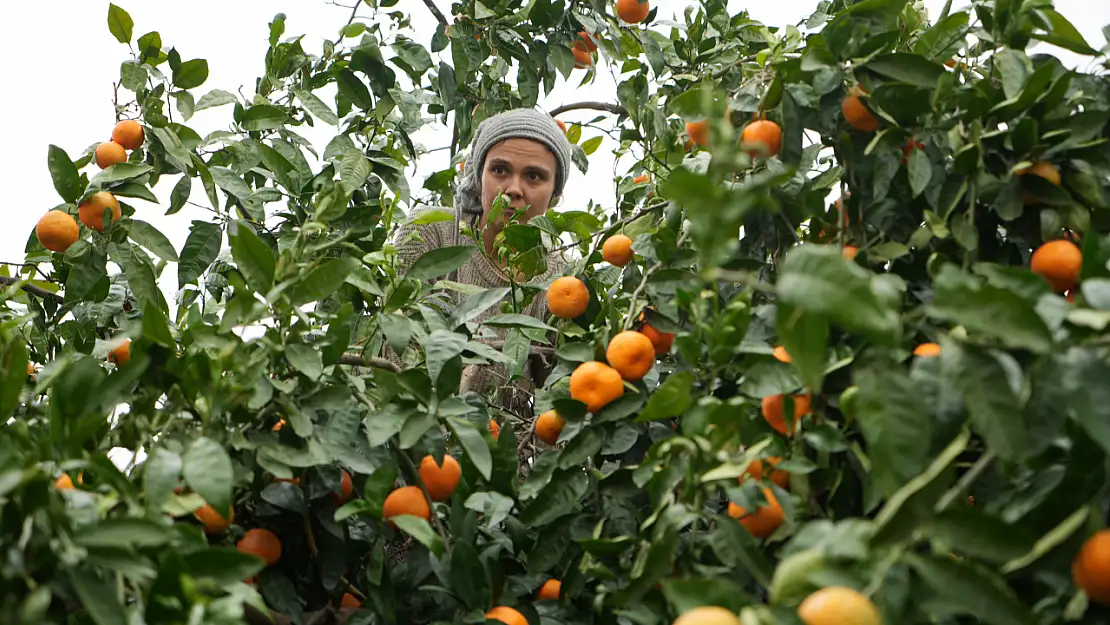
x,y
524,155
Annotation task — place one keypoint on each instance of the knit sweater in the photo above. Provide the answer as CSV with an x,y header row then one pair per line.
x,y
479,271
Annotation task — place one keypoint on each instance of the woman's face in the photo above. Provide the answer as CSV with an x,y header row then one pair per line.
x,y
522,169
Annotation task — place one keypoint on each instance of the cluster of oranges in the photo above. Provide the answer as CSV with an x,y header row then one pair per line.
x,y
835,605
584,47
762,138
439,480
58,230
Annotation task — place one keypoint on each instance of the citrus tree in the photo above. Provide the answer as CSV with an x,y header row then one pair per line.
x,y
838,354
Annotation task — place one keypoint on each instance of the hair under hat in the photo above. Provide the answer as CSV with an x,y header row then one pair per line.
x,y
515,124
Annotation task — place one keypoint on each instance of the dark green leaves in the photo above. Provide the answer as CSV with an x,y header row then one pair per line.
x,y
67,182
201,248
263,117
419,529
965,588
818,280
13,373
120,24
895,425
254,258
907,68
98,598
474,444
149,237
316,106
354,90
671,399
190,74
995,312
440,262
208,471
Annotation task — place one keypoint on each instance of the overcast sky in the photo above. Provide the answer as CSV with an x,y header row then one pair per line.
x,y
64,61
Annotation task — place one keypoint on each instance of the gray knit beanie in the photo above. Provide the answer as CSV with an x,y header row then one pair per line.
x,y
514,124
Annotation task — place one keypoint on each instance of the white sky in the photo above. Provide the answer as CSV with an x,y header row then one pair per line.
x,y
62,92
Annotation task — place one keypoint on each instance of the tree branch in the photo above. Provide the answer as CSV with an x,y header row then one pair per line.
x,y
435,11
359,360
615,109
32,289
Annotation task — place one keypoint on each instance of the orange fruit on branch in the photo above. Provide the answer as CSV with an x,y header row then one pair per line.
x,y
757,472
838,605
567,297
766,519
558,122
550,590
506,615
406,500
262,543
1045,170
699,132
549,426
661,340
857,114
212,521
110,153
494,429
585,42
617,250
350,601
440,481
129,134
633,11
595,384
1058,262
57,230
772,408
927,350
582,59
707,615
642,178
632,354
91,211
277,426
1091,567
346,489
850,252
121,354
781,355
762,138
64,482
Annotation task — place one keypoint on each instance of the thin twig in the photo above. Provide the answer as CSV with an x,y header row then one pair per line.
x,y
436,12
615,109
974,473
354,11
30,288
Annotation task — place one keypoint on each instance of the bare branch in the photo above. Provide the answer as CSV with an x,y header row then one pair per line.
x,y
32,289
615,109
358,360
436,12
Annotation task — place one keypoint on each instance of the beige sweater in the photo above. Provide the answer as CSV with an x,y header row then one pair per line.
x,y
480,271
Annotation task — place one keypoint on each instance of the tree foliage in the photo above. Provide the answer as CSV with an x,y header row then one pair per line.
x,y
950,489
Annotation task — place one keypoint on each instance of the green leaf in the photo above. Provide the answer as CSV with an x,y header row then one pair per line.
x,y
141,280
324,280
354,170
201,248
914,503
118,173
735,547
1088,394
156,327
207,469
989,310
967,588
191,74
907,68
180,194
560,497
230,181
806,339
474,444
316,106
306,359
160,472
977,534
13,373
120,24
687,594
895,425
818,279
152,239
222,566
475,304
920,171
1062,33
214,98
440,347
511,320
495,506
285,496
354,90
132,75
263,117
67,181
440,261
996,412
671,399
414,55
589,146
419,529
97,598
253,257
126,533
